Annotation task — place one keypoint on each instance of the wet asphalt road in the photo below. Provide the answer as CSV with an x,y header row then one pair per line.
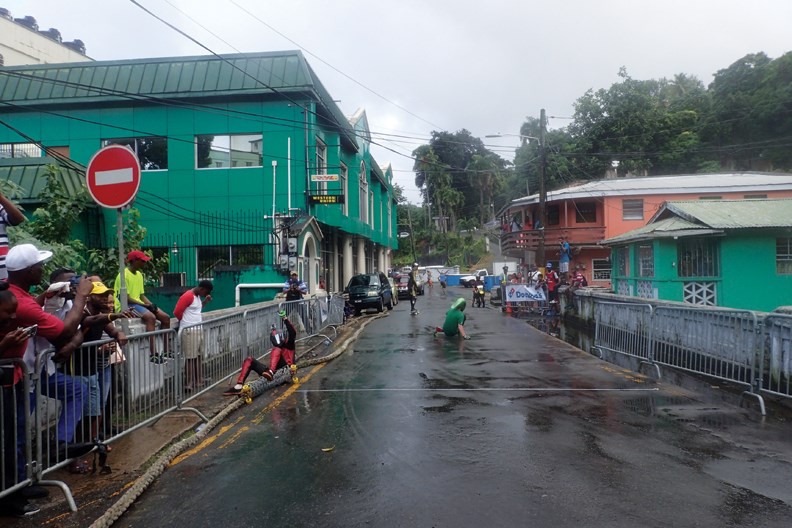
x,y
513,428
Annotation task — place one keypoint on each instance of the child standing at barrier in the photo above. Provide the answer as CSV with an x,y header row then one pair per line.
x,y
282,354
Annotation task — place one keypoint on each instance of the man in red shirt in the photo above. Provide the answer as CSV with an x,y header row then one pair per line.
x,y
25,265
188,312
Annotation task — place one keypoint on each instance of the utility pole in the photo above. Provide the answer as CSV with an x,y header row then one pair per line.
x,y
412,233
540,252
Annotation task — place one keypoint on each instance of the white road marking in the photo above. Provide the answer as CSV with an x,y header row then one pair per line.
x,y
516,389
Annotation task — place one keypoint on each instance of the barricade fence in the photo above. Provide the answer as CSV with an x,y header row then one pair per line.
x,y
730,345
105,390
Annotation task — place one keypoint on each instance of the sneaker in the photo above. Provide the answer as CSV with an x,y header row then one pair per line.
x,y
24,509
233,391
267,374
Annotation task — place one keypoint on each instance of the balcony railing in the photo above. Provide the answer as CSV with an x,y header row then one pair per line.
x,y
515,244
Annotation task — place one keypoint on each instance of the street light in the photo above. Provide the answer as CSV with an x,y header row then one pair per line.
x,y
540,250
499,135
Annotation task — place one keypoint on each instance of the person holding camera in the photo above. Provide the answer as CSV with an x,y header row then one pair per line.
x,y
25,265
294,288
147,310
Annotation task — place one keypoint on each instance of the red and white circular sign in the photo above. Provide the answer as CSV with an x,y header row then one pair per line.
x,y
113,176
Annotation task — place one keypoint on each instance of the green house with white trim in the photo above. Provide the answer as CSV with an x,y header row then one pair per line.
x,y
250,170
730,253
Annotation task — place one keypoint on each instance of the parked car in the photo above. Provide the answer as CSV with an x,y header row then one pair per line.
x,y
370,290
468,280
402,286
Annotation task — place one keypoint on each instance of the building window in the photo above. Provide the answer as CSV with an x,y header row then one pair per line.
x,y
784,256
152,152
20,150
698,258
553,215
755,196
209,257
646,260
371,209
623,261
710,197
632,209
585,213
601,269
344,177
363,199
229,151
321,163
390,219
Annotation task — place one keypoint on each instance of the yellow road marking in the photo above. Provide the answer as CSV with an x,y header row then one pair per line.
x,y
260,417
257,420
207,442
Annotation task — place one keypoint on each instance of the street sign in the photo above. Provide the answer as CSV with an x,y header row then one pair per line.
x,y
113,176
403,234
324,177
325,199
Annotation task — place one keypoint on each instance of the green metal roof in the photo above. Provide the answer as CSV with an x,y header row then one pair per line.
x,y
731,214
271,74
709,217
31,175
669,227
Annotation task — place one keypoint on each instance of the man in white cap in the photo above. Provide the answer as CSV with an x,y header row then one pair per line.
x,y
25,265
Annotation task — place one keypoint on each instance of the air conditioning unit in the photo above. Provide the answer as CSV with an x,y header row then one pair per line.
x,y
173,280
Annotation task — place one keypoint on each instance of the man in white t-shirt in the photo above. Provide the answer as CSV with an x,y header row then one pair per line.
x,y
188,312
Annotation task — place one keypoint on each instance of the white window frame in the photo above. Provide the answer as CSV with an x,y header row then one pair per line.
x,y
632,209
20,150
219,164
784,256
344,177
321,163
601,269
363,195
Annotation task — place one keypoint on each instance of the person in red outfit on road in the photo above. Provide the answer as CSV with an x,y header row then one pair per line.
x,y
282,354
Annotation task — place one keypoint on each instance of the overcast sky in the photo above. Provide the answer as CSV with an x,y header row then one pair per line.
x,y
423,65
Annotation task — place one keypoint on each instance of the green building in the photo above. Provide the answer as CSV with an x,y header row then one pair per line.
x,y
249,169
730,253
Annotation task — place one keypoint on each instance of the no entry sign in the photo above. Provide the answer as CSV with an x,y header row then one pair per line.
x,y
113,176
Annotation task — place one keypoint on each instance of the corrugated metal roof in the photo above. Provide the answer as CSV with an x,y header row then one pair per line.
x,y
160,77
170,78
731,214
695,183
666,228
699,217
31,175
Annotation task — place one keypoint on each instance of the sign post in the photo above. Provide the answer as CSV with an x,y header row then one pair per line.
x,y
113,179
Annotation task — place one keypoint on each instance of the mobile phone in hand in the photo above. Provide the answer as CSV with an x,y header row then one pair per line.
x,y
30,331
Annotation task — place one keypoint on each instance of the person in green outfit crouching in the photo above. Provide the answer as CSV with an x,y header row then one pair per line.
x,y
455,321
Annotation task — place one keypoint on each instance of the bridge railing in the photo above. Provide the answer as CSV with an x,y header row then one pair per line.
x,y
738,346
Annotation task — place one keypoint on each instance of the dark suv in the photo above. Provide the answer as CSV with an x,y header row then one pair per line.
x,y
371,290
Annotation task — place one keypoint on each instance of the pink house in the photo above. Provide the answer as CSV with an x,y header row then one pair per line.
x,y
590,212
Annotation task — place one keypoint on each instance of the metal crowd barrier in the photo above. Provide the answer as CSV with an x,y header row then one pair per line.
x,y
715,342
16,471
152,375
775,364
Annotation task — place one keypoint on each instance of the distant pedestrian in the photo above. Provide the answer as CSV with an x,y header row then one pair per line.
x,y
188,312
294,288
412,288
